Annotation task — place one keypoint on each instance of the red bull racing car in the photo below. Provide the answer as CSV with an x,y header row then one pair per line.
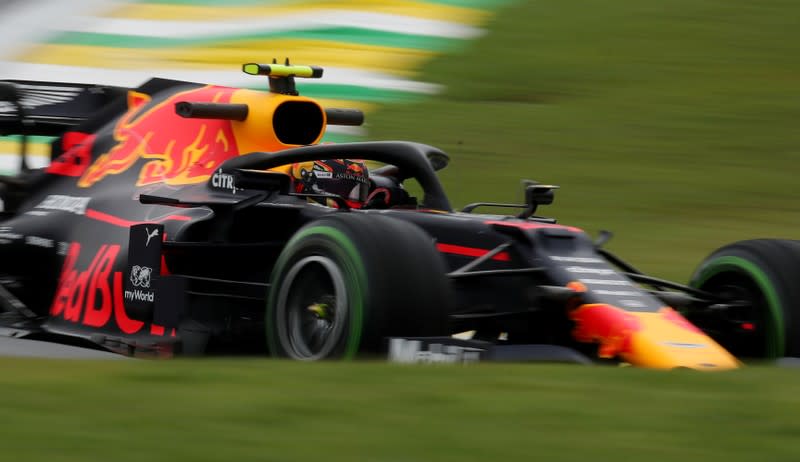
x,y
182,218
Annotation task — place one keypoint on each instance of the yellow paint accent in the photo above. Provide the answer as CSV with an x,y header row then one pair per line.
x,y
662,344
279,70
111,163
397,61
33,149
462,15
256,133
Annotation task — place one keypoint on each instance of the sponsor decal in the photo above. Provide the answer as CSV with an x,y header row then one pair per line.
x,y
323,175
684,345
150,235
63,248
587,270
618,293
6,233
607,282
70,204
187,155
93,295
577,259
635,304
221,180
39,242
138,295
144,260
140,276
410,351
351,177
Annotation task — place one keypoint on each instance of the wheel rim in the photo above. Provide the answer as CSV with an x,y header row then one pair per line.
x,y
312,309
761,292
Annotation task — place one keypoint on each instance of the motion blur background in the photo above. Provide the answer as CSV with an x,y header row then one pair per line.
x,y
673,123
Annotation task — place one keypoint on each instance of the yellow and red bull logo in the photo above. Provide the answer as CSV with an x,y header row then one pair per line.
x,y
181,151
610,327
663,340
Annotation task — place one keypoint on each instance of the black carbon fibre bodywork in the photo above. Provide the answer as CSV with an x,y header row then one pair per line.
x,y
155,232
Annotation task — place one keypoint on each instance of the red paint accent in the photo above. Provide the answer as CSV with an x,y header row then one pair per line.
x,y
748,326
98,316
164,268
123,223
65,281
96,293
532,225
89,292
611,327
577,286
470,251
76,154
675,318
386,198
75,302
126,324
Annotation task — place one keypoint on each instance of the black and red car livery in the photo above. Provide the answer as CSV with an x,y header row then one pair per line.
x,y
168,223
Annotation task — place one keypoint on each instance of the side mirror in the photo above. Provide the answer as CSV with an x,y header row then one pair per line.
x,y
536,195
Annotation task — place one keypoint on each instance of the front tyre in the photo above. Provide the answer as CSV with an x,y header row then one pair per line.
x,y
764,275
346,281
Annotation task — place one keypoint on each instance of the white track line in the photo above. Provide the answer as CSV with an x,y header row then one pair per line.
x,y
27,22
300,21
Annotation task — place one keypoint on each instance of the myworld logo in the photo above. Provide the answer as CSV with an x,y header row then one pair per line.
x,y
139,295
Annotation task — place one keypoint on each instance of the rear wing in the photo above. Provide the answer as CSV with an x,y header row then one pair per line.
x,y
50,108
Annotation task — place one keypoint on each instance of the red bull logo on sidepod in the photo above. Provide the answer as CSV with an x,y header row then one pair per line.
x,y
183,151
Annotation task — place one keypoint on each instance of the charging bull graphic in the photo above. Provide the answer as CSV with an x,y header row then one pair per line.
x,y
184,155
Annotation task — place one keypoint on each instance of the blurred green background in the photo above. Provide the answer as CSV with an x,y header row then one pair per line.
x,y
673,123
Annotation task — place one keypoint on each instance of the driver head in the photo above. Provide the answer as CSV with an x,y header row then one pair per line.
x,y
346,178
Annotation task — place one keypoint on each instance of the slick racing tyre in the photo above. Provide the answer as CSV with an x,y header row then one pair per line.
x,y
763,274
345,282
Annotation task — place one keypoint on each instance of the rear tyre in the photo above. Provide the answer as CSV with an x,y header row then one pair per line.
x,y
765,275
345,282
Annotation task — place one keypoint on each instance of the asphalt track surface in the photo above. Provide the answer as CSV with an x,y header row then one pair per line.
x,y
36,349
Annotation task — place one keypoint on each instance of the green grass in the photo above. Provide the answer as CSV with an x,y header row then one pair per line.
x,y
195,411
673,123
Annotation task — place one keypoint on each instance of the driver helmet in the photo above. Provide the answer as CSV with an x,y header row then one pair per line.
x,y
346,178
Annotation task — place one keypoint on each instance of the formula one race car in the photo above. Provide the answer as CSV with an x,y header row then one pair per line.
x,y
180,218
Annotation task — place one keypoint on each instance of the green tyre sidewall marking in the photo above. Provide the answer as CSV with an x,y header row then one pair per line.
x,y
776,333
355,275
